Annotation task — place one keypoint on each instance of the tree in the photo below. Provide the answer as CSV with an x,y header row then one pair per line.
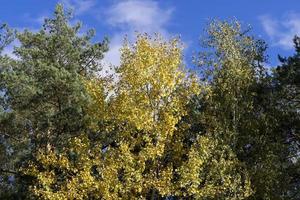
x,y
45,98
157,131
146,155
239,106
286,87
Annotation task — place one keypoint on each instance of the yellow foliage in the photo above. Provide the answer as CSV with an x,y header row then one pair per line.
x,y
146,156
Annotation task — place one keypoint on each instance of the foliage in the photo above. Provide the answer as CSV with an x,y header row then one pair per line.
x,y
44,98
157,131
286,81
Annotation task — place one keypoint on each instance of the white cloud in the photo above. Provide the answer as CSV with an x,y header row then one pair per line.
x,y
269,25
9,50
79,6
281,31
35,20
132,16
137,15
113,55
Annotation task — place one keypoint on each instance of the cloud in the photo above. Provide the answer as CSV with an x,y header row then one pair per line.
x,y
129,17
79,6
270,25
9,50
281,31
112,57
145,16
35,20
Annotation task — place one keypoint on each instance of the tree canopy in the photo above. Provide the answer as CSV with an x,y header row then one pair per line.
x,y
228,130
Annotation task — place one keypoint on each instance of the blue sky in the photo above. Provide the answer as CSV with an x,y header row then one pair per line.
x,y
274,21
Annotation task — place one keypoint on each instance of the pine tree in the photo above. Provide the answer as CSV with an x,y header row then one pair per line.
x,y
45,98
287,99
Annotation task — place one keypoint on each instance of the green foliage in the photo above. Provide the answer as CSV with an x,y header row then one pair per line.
x,y
44,95
287,98
241,107
6,36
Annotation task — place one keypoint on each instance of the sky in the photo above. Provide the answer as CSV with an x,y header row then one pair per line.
x,y
274,21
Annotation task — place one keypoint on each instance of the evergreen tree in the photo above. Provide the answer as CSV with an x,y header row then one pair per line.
x,y
44,99
287,99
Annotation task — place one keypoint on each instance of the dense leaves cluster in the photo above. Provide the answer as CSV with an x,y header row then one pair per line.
x,y
156,131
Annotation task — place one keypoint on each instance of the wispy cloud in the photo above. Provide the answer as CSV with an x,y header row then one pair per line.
x,y
9,50
128,17
282,30
35,20
137,15
79,6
